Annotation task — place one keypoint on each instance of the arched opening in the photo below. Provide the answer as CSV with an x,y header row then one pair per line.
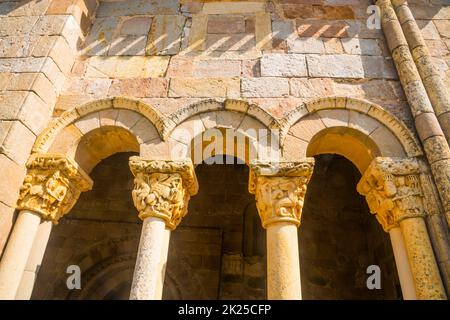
x,y
339,238
100,235
223,239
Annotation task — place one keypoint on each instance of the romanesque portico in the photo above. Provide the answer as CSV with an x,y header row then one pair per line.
x,y
393,182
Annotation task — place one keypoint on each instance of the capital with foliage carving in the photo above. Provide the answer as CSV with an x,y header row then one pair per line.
x,y
52,185
393,191
280,189
162,188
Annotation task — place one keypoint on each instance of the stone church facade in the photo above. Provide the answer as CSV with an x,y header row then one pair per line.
x,y
206,149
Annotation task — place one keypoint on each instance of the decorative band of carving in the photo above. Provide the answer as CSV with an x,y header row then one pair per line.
x,y
280,189
162,189
52,185
393,190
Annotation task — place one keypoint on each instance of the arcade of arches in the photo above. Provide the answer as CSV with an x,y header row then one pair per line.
x,y
301,227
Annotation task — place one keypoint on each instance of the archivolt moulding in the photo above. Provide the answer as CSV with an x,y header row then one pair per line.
x,y
407,139
240,106
49,134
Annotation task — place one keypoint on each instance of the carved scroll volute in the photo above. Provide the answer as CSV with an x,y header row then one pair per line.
x,y
393,191
280,190
52,186
163,188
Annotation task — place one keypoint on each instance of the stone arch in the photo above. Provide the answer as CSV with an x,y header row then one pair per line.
x,y
356,129
94,131
188,125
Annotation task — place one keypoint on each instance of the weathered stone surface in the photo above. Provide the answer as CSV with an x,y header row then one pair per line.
x,y
128,46
232,42
12,179
127,67
165,35
18,152
315,10
136,26
216,68
197,35
211,87
263,31
283,65
443,26
140,88
138,7
335,66
324,29
265,87
310,88
232,7
306,45
226,24
367,47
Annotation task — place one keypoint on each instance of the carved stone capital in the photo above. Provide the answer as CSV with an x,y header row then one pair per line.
x,y
162,188
393,190
280,189
52,185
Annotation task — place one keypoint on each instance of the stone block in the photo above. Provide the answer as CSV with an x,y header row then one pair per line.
x,y
88,123
265,87
165,35
137,7
31,8
443,26
12,178
306,45
136,26
283,65
205,87
263,31
197,35
18,152
233,7
282,33
334,118
226,24
333,46
17,26
128,46
428,29
321,29
6,222
335,66
362,122
316,10
101,36
366,47
232,42
127,67
140,88
216,68
311,88
307,127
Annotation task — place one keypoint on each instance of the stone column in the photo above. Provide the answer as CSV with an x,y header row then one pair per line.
x,y
51,187
34,261
402,263
437,92
394,193
280,190
161,195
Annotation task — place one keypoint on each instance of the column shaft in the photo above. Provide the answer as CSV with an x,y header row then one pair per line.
x,y
425,271
403,267
34,261
283,265
17,252
150,267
